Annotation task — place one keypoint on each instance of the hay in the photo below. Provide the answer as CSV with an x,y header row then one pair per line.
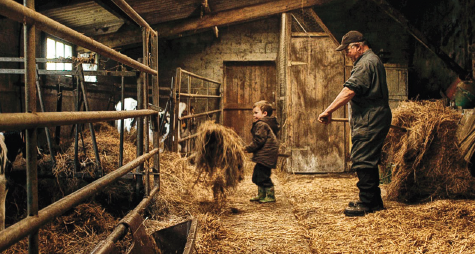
x,y
219,157
425,162
107,140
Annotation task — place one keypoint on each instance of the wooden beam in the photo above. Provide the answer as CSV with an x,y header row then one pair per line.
x,y
216,19
109,6
323,26
237,15
419,36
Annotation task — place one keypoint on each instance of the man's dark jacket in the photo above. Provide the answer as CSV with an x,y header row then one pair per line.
x,y
265,144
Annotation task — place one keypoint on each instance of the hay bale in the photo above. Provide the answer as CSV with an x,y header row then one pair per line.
x,y
219,157
425,161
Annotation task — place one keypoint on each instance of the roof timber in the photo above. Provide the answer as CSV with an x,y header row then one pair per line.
x,y
168,30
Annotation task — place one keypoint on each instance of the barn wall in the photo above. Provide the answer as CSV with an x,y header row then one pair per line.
x,y
204,54
448,24
12,85
10,47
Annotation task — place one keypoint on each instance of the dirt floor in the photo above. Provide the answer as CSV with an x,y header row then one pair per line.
x,y
308,218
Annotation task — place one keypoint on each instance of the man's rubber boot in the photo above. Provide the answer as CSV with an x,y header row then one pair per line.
x,y
361,209
270,195
261,194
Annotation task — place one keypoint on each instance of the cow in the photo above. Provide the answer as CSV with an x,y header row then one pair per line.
x,y
129,104
129,124
11,143
3,180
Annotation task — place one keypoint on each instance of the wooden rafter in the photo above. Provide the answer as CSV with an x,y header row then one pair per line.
x,y
215,19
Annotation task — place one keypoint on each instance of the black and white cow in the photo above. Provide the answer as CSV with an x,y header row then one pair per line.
x,y
11,143
3,180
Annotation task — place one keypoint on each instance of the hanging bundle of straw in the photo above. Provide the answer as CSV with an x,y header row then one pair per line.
x,y
425,161
220,157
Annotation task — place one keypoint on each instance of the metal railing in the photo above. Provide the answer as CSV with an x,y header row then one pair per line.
x,y
183,92
32,120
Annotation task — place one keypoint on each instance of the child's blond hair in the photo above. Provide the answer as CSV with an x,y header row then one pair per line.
x,y
265,106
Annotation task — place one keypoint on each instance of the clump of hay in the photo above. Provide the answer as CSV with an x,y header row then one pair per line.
x,y
219,157
425,161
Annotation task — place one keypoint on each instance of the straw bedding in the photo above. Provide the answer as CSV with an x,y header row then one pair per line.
x,y
307,217
425,162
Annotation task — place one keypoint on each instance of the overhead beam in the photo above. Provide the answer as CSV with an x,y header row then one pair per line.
x,y
216,19
125,7
114,10
419,36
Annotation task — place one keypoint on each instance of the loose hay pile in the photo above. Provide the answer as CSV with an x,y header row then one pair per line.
x,y
425,161
107,140
220,157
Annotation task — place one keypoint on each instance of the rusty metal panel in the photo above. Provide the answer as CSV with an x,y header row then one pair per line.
x,y
245,84
316,78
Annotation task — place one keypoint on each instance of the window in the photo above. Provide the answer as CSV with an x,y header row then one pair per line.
x,y
57,49
89,67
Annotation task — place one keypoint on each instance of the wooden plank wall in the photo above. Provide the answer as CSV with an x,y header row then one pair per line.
x,y
316,78
245,84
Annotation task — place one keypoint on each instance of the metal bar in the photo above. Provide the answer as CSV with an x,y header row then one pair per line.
x,y
174,112
73,72
200,77
42,106
188,137
15,11
76,133
200,114
29,31
31,224
139,149
59,108
156,101
125,7
188,100
199,95
121,229
91,127
15,121
146,43
121,145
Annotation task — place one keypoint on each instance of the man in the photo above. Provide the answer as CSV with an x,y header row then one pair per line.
x,y
370,118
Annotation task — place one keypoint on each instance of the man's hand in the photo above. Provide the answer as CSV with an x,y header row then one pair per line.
x,y
325,117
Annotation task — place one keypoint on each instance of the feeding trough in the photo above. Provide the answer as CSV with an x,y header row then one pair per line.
x,y
179,238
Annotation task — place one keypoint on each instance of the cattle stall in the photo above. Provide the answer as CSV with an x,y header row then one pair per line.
x,y
194,99
32,120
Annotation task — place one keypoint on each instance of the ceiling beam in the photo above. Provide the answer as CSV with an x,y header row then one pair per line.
x,y
247,13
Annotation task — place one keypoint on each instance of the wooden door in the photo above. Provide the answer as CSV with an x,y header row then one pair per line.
x,y
244,84
316,78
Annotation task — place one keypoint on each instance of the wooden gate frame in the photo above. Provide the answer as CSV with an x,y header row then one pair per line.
x,y
177,96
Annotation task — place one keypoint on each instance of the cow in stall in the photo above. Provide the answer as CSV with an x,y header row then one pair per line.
x,y
3,180
129,123
11,143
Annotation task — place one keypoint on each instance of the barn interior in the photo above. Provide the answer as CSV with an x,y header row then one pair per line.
x,y
100,175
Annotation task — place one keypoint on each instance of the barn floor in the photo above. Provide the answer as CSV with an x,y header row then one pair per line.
x,y
308,218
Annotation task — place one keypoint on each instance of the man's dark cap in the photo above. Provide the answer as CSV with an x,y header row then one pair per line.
x,y
350,37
